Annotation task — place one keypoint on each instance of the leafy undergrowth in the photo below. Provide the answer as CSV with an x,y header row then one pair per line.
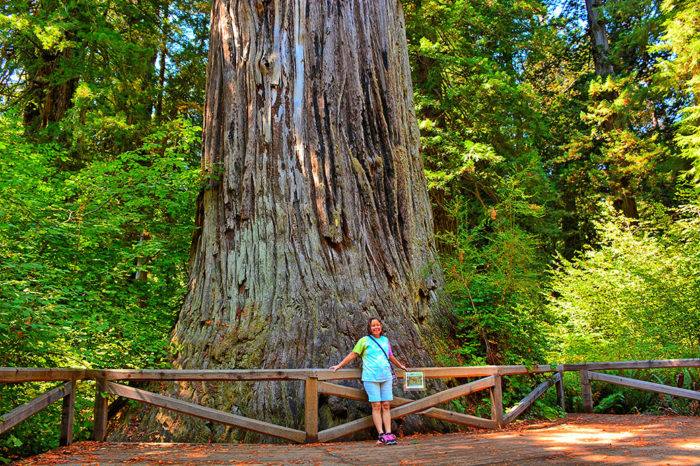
x,y
92,264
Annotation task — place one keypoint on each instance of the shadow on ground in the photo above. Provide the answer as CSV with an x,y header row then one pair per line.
x,y
578,438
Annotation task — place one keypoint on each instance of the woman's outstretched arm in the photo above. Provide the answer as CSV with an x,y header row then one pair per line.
x,y
352,355
396,362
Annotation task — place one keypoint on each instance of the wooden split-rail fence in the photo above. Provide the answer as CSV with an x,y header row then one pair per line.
x,y
323,381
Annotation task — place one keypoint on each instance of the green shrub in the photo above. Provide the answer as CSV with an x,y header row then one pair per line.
x,y
635,296
92,264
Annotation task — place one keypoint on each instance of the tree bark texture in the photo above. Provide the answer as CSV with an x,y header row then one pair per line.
x,y
316,215
625,200
599,38
50,101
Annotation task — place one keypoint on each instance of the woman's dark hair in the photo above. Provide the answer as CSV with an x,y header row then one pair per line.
x,y
369,325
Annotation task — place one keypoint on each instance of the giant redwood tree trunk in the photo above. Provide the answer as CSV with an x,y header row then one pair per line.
x,y
316,215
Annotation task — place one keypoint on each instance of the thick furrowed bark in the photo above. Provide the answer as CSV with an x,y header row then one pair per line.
x,y
316,216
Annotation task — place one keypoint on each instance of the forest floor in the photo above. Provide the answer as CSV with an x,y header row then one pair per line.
x,y
577,439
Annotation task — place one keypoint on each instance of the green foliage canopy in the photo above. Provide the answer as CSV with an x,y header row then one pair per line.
x,y
634,296
78,245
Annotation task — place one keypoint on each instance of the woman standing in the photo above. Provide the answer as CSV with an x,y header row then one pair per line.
x,y
376,354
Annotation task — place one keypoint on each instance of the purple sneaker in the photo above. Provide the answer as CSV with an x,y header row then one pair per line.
x,y
381,440
390,439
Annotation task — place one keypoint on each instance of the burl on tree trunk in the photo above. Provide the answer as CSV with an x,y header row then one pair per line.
x,y
316,215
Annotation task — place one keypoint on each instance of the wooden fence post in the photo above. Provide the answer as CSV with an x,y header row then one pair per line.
x,y
99,429
560,389
67,416
311,409
497,400
586,394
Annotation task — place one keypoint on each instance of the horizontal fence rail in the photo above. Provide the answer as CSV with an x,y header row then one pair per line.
x,y
648,386
322,382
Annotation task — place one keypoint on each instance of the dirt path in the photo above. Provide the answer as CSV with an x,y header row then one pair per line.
x,y
577,439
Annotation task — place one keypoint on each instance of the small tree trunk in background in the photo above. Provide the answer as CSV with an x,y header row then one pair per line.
x,y
162,56
51,101
316,216
624,201
599,38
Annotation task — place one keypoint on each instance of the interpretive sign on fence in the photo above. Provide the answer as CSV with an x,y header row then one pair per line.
x,y
414,381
